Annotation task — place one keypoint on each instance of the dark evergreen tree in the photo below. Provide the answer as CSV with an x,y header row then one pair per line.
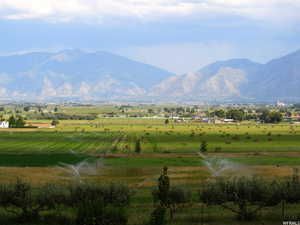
x,y
138,147
203,147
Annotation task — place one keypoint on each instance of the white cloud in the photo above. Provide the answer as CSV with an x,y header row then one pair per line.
x,y
145,10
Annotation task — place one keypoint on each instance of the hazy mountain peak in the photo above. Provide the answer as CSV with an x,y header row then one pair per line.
x,y
78,74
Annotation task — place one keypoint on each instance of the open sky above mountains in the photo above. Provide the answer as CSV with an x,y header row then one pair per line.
x,y
177,35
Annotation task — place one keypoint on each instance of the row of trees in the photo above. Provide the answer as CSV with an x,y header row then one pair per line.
x,y
108,204
61,116
91,204
243,196
265,116
246,197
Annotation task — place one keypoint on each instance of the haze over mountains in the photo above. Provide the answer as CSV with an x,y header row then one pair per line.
x,y
74,74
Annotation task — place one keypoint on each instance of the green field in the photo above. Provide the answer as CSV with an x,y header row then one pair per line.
x,y
97,137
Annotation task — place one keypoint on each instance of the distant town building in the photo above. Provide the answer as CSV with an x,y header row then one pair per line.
x,y
4,124
280,104
228,120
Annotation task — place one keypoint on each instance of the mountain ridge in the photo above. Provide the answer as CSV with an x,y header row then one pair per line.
x,y
74,73
70,74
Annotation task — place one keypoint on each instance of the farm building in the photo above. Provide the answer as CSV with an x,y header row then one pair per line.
x,y
228,120
4,124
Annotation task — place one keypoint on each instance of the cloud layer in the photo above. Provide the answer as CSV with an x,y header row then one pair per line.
x,y
148,10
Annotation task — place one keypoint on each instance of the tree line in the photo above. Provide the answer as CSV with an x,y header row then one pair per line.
x,y
107,204
61,116
266,116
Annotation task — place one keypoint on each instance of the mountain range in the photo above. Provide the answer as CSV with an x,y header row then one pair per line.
x,y
75,74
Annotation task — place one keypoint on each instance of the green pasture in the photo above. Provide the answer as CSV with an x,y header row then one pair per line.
x,y
120,135
53,159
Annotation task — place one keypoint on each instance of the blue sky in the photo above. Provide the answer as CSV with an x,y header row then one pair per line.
x,y
178,35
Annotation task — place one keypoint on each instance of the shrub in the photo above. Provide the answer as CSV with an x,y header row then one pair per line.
x,y
21,199
57,218
236,138
247,195
158,216
218,149
290,187
115,194
54,122
176,196
95,212
52,195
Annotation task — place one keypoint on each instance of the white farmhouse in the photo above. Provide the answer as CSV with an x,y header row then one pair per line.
x,y
4,124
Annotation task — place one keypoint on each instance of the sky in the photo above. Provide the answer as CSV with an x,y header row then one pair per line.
x,y
177,35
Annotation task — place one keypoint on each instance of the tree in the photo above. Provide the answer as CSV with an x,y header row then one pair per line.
x,y
54,122
171,198
203,147
22,199
26,108
289,114
243,196
271,116
220,113
166,121
161,194
20,122
235,114
138,147
12,121
150,111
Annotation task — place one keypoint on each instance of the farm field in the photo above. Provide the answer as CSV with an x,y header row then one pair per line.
x,y
39,155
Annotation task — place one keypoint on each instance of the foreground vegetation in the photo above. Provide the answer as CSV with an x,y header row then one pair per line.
x,y
132,151
79,203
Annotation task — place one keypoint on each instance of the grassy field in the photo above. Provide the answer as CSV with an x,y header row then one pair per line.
x,y
37,154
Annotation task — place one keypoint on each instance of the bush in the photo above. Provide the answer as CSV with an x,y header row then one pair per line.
x,y
218,149
57,218
100,204
95,212
177,198
21,199
158,216
16,122
54,122
52,196
179,195
290,188
247,195
115,194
